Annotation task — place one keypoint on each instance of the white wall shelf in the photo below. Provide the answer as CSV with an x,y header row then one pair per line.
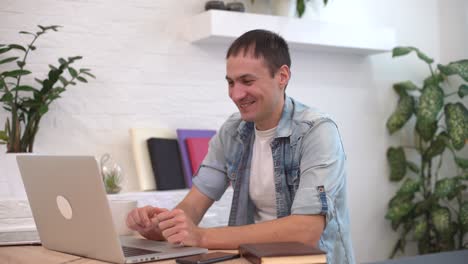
x,y
223,27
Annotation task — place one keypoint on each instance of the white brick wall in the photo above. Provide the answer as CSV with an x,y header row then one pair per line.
x,y
148,75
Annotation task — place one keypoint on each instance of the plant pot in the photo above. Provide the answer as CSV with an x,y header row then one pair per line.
x,y
10,177
284,8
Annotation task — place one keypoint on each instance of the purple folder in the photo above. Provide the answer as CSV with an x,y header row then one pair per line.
x,y
183,134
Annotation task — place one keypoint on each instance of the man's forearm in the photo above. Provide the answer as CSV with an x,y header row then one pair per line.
x,y
301,228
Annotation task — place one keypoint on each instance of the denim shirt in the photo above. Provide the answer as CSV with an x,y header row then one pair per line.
x,y
309,171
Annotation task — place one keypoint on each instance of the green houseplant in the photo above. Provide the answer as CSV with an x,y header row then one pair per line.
x,y
431,205
28,103
301,6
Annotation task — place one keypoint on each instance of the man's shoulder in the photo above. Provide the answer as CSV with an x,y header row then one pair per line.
x,y
307,114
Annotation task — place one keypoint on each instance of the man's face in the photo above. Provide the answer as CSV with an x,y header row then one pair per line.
x,y
258,96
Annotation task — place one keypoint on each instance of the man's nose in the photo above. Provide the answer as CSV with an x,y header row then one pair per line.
x,y
237,92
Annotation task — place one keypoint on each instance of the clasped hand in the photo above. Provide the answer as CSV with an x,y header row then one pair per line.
x,y
159,223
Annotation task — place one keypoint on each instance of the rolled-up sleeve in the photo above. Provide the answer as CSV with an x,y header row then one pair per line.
x,y
211,177
322,169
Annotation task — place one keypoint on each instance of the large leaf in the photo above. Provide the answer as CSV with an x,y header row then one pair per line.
x,y
403,87
458,67
398,211
409,187
420,228
446,187
456,119
402,113
400,51
17,46
441,219
463,217
397,161
437,146
430,104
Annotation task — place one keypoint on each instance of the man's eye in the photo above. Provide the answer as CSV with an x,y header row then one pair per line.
x,y
230,84
247,82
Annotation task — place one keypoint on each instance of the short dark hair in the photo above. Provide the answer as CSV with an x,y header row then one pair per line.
x,y
269,45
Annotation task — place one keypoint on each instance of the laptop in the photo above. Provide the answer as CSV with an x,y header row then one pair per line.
x,y
70,207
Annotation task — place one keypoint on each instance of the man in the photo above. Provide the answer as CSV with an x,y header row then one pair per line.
x,y
285,162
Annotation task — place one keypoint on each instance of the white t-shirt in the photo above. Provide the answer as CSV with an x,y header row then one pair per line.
x,y
262,181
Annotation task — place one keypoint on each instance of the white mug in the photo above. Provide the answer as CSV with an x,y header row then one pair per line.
x,y
120,210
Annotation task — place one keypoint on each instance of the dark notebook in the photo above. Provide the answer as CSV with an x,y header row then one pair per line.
x,y
282,253
166,164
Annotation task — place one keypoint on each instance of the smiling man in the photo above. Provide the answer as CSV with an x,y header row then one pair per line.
x,y
284,160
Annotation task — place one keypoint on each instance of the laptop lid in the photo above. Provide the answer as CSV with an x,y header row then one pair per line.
x,y
71,210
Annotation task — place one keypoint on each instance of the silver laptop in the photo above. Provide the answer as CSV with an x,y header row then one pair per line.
x,y
72,214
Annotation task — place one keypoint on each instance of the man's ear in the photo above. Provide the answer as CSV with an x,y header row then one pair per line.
x,y
283,76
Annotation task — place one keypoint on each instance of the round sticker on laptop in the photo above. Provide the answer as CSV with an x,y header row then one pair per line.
x,y
64,207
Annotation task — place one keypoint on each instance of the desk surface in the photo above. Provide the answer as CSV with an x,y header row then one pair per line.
x,y
39,254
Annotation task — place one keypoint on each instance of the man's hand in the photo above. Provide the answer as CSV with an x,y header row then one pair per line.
x,y
178,228
144,220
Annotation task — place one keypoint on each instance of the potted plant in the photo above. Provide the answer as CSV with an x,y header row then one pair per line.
x,y
431,205
291,7
26,103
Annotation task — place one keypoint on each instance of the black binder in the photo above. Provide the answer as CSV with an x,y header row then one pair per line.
x,y
166,163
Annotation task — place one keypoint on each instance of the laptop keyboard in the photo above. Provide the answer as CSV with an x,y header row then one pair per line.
x,y
19,236
131,251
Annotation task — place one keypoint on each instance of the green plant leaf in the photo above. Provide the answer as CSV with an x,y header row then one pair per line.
x,y
81,79
63,80
445,187
441,219
400,51
459,68
437,146
398,211
16,73
402,114
456,119
462,90
16,46
3,50
7,97
300,7
420,228
3,137
62,61
89,74
43,109
462,163
409,187
25,88
27,33
397,161
430,104
7,60
402,87
412,166
463,217
72,72
39,81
